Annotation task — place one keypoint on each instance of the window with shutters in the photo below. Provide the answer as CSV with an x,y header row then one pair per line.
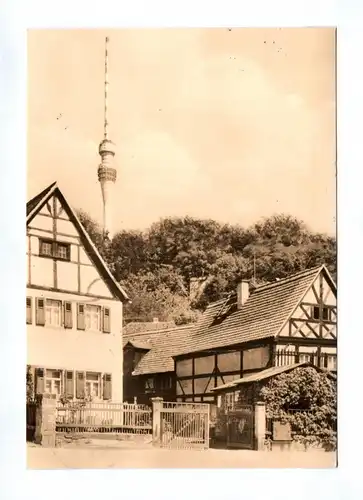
x,y
53,312
28,310
93,384
54,249
92,317
53,381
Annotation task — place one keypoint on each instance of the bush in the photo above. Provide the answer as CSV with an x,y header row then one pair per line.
x,y
313,396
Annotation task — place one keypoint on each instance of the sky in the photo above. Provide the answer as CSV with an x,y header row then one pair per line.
x,y
232,125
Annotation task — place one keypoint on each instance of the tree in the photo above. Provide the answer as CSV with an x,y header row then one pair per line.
x,y
151,298
176,250
130,253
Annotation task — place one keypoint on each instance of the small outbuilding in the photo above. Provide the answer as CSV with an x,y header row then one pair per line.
x,y
238,401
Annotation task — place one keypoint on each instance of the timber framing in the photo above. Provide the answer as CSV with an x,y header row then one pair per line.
x,y
305,307
35,205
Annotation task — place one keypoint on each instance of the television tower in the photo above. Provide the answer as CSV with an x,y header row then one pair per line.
x,y
106,171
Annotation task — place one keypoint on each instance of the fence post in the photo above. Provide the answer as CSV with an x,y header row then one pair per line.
x,y
157,407
260,425
45,418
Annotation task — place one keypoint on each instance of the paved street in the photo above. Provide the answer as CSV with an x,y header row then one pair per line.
x,y
101,458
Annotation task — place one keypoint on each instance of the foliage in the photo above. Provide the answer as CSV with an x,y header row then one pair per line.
x,y
176,249
151,297
307,399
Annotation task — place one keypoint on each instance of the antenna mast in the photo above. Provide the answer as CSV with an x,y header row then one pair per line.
x,y
105,125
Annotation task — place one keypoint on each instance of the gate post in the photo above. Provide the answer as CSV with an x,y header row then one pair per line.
x,y
45,418
157,407
260,425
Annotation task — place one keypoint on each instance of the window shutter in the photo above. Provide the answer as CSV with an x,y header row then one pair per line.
x,y
107,385
39,380
40,312
106,320
68,320
69,384
28,310
80,385
80,317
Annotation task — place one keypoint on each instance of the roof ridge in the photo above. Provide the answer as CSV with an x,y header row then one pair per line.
x,y
154,332
292,277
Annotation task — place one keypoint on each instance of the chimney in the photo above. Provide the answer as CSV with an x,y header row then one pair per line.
x,y
195,285
243,292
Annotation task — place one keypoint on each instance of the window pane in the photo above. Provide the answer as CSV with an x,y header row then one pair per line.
x,y
53,312
45,248
92,376
48,386
62,251
93,317
316,314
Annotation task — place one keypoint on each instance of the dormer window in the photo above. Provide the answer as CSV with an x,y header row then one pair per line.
x,y
54,249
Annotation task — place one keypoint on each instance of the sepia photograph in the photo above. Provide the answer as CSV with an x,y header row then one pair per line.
x,y
181,249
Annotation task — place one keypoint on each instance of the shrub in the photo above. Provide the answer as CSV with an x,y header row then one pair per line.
x,y
313,394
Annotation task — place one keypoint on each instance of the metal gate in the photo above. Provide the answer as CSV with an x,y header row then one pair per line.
x,y
240,428
184,425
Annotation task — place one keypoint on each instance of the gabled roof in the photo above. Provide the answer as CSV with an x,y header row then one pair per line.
x,y
263,315
36,204
268,373
163,345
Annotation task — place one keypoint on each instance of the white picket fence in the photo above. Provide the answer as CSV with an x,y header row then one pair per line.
x,y
104,417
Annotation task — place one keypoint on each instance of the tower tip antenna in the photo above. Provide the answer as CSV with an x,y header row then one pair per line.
x,y
105,126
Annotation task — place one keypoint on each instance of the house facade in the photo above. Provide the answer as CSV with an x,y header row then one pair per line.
x,y
73,306
289,321
149,365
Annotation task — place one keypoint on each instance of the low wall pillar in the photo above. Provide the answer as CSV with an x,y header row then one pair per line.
x,y
45,418
157,404
260,425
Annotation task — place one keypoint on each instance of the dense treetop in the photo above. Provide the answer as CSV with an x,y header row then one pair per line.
x,y
155,266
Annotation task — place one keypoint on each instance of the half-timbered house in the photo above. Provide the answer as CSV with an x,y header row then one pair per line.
x,y
73,305
149,364
285,322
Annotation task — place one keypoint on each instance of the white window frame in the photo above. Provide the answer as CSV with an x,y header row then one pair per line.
x,y
49,307
89,316
53,380
90,384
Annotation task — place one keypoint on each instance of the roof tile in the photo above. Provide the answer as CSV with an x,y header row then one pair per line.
x,y
262,316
